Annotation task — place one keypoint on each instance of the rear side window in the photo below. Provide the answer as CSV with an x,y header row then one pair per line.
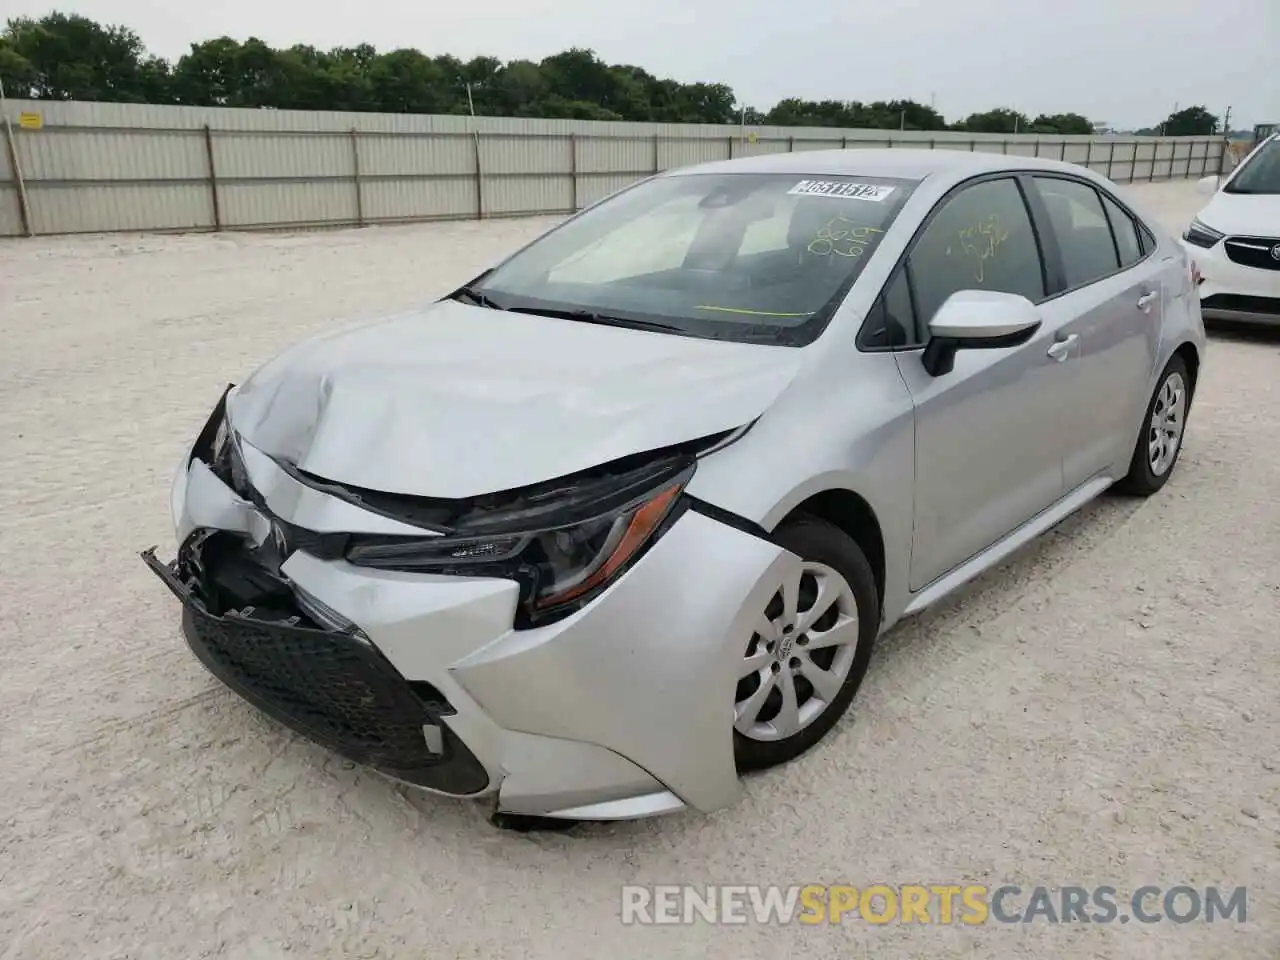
x,y
1126,231
1148,239
1080,225
980,239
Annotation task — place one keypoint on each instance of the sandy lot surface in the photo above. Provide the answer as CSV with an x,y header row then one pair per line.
x,y
1103,710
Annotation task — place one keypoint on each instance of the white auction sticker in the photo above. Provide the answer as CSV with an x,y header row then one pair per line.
x,y
841,189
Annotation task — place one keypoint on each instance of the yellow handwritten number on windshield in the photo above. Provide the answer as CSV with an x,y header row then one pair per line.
x,y
841,237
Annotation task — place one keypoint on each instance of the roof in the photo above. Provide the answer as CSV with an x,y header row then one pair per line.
x,y
907,164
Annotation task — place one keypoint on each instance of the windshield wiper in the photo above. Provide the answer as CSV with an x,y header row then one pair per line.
x,y
604,319
476,297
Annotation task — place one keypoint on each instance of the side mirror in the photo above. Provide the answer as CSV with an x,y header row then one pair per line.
x,y
1207,185
977,320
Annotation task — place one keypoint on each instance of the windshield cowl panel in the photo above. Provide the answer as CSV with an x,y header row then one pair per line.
x,y
761,258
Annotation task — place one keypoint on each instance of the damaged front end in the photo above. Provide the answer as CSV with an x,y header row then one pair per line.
x,y
563,542
329,683
297,660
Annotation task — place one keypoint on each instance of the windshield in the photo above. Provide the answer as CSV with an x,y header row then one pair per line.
x,y
1260,173
761,257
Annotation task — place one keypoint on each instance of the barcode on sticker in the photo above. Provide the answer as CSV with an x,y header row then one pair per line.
x,y
843,189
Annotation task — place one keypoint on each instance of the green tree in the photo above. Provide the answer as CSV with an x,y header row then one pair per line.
x,y
1068,124
880,115
70,57
65,56
1189,122
905,115
16,72
227,73
999,120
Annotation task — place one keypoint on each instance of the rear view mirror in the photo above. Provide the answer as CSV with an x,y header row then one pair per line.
x,y
1207,185
977,320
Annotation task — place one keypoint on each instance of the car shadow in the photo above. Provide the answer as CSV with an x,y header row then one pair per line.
x,y
1037,562
1234,332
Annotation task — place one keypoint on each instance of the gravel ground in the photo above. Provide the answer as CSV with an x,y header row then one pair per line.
x,y
1102,710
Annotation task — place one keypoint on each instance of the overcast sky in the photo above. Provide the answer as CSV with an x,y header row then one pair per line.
x,y
1122,62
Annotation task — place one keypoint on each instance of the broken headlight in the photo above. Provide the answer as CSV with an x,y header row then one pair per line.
x,y
560,566
221,437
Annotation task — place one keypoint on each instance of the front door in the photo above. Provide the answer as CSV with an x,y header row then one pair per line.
x,y
989,447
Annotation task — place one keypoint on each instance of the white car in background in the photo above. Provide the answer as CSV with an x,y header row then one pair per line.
x,y
1235,240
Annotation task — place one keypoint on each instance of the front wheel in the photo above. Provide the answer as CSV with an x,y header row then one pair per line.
x,y
809,649
1160,443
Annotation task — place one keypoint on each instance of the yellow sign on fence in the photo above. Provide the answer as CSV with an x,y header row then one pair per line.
x,y
30,121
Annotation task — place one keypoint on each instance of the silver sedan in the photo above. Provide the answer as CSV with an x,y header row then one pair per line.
x,y
622,518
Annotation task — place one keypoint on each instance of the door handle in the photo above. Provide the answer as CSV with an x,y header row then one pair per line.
x,y
1061,349
1147,299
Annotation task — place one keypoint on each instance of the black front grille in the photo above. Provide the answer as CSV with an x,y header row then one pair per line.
x,y
1263,253
334,687
1239,303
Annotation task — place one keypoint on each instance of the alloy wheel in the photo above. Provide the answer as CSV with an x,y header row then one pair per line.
x,y
1168,416
799,655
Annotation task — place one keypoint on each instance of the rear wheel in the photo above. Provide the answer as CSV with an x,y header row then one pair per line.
x,y
1157,449
809,649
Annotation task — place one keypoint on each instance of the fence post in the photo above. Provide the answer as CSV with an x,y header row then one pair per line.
x,y
730,139
355,175
1111,158
573,172
24,208
844,143
657,167
479,178
213,178
791,144
933,143
1154,150
1204,161
973,145
1004,146
1088,155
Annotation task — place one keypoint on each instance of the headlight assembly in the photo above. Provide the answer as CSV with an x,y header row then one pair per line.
x,y
1201,235
560,562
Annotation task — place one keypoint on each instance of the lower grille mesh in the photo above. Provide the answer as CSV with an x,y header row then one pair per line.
x,y
333,687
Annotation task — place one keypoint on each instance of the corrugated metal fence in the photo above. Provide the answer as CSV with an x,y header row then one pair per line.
x,y
91,167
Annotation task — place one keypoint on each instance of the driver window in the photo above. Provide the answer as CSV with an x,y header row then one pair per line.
x,y
980,240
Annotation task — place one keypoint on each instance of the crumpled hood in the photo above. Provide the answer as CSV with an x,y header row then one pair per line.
x,y
456,401
1243,214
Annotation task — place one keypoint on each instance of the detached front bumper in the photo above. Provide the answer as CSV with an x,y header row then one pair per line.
x,y
1234,291
334,687
623,709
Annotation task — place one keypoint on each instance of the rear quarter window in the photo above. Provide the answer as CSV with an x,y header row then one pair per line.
x,y
1128,240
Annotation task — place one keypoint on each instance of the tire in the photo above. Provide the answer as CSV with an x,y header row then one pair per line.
x,y
1145,477
763,738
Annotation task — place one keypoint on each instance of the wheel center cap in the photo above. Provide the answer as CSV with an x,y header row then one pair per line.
x,y
784,647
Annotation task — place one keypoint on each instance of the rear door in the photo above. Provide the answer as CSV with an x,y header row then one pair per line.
x,y
1108,301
